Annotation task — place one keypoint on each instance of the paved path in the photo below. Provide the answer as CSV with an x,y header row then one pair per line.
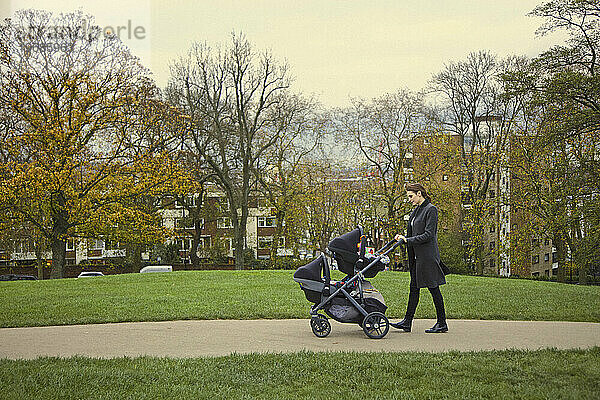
x,y
223,337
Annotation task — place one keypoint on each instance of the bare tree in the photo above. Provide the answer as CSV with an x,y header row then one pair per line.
x,y
227,94
475,108
383,130
299,127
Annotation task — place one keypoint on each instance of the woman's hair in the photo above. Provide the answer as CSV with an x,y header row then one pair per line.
x,y
417,187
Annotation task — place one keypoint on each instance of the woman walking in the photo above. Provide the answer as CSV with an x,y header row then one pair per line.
x,y
423,258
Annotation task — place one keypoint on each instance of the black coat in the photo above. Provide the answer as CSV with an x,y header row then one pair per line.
x,y
422,246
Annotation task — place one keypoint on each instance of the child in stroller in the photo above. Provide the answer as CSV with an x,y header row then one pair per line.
x,y
353,299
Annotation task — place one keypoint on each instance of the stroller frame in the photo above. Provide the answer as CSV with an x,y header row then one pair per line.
x,y
375,324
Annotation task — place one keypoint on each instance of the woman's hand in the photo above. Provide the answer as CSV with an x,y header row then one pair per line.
x,y
399,238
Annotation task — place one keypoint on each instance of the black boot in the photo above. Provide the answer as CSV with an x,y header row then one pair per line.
x,y
405,324
438,300
439,327
413,301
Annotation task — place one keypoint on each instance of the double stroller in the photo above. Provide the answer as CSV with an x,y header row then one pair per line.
x,y
353,299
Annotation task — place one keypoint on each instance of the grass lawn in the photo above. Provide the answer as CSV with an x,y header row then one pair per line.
x,y
511,374
273,294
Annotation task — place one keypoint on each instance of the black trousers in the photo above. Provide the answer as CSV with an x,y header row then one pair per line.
x,y
413,301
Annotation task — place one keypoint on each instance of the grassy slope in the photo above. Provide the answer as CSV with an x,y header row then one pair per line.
x,y
510,374
272,294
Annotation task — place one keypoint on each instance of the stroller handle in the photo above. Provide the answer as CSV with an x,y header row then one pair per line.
x,y
385,250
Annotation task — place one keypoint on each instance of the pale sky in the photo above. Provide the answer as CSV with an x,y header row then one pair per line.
x,y
335,49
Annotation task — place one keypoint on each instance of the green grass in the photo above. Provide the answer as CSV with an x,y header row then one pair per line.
x,y
273,294
510,374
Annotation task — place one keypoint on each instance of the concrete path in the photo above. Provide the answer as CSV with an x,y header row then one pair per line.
x,y
223,337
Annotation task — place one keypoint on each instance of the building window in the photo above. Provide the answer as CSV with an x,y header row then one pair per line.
x,y
95,244
111,245
267,222
70,244
546,257
535,259
204,242
224,223
192,200
265,242
184,243
554,257
281,241
492,194
184,223
492,228
22,246
224,204
492,263
547,242
492,245
492,211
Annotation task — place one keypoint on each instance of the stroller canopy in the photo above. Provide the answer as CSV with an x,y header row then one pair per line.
x,y
310,271
345,250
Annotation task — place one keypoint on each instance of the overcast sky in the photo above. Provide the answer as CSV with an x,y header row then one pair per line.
x,y
336,49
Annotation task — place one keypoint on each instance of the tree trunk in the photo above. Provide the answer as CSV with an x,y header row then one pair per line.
x,y
479,250
133,255
239,233
195,260
239,251
38,256
479,260
59,253
560,256
60,228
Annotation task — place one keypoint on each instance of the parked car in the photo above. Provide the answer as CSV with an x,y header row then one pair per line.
x,y
90,273
157,268
17,277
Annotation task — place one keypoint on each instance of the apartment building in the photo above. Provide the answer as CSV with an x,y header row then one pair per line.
x,y
508,246
217,229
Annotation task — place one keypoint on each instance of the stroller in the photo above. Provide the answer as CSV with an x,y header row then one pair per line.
x,y
353,299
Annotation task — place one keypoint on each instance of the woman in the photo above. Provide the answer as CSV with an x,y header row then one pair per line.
x,y
423,258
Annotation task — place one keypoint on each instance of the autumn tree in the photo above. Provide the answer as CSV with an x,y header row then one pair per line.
x,y
74,95
564,87
152,176
227,94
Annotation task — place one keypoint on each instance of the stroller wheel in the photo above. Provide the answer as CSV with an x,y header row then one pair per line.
x,y
376,325
320,326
